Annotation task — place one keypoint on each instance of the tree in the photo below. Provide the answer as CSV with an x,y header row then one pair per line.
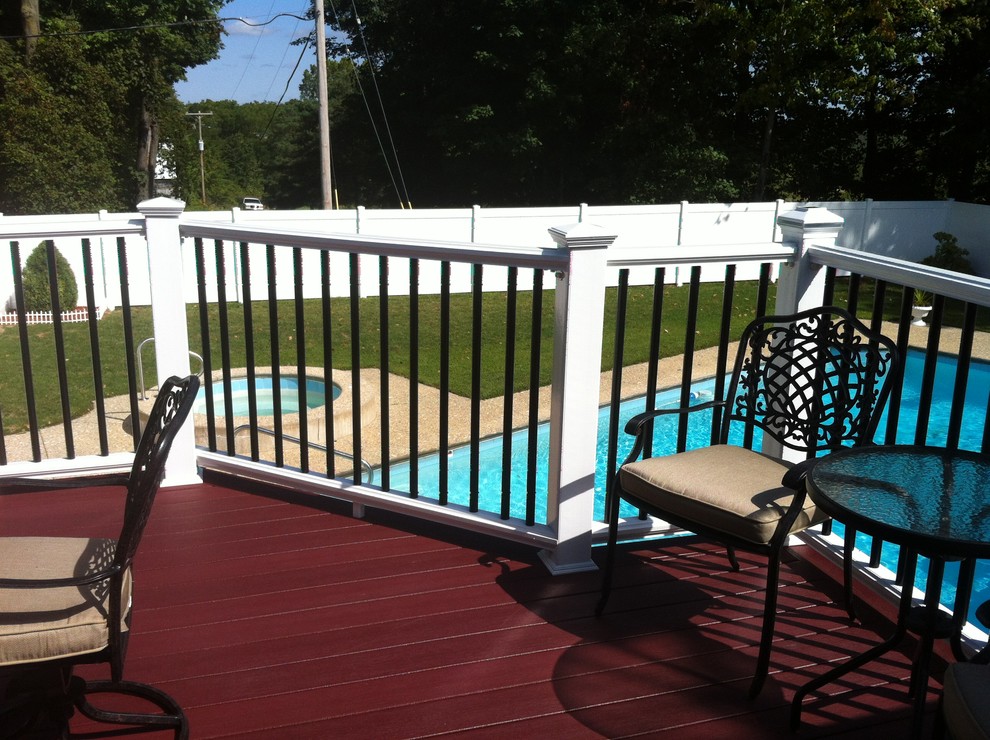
x,y
58,149
953,106
527,101
150,60
519,101
82,116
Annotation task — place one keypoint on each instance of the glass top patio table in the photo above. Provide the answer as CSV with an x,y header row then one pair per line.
x,y
929,500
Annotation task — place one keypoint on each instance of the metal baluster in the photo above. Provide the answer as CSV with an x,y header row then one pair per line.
x,y
356,363
963,364
22,330
125,307
724,340
444,381
615,399
249,356
302,381
57,331
476,313
383,381
414,378
275,356
536,331
509,389
204,330
94,343
223,321
690,333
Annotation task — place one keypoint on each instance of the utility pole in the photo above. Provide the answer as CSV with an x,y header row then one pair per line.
x,y
321,85
202,167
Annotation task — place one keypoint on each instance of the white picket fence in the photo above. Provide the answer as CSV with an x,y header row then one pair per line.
x,y
75,316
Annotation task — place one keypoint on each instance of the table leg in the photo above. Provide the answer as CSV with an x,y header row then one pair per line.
x,y
849,545
903,612
928,629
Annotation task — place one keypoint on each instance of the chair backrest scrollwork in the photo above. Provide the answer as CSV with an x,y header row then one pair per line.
x,y
815,381
173,404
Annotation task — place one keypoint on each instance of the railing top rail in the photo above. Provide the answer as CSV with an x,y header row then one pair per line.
x,y
547,258
902,272
686,254
10,231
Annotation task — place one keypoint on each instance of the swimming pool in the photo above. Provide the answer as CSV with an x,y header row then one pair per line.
x,y
490,452
288,391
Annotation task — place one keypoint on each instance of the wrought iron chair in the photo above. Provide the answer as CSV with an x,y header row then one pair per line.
x,y
67,601
813,381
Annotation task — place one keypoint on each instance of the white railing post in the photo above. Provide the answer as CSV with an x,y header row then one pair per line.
x,y
579,312
802,284
168,311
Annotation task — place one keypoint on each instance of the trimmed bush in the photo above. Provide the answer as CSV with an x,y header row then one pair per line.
x,y
37,294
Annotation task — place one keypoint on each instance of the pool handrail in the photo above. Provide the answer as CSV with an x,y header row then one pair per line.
x,y
365,465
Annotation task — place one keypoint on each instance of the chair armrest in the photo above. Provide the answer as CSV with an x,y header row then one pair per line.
x,y
795,477
636,423
60,582
16,484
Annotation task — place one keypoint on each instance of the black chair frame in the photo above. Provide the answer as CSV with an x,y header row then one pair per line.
x,y
173,404
843,372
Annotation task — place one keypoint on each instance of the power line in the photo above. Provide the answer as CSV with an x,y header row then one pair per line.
x,y
174,24
257,40
381,104
371,115
278,69
287,83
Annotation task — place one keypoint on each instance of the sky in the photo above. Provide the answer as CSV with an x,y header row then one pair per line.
x,y
257,61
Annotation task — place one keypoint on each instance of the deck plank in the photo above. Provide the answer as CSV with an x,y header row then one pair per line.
x,y
267,618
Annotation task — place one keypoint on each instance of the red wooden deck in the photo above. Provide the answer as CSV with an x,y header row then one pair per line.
x,y
266,618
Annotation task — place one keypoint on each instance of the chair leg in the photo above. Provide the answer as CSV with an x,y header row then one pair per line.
x,y
769,622
172,716
730,553
613,536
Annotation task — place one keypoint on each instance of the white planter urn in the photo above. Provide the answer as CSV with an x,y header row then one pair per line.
x,y
919,313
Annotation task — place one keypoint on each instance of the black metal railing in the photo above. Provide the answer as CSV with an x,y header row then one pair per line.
x,y
357,328
684,318
61,361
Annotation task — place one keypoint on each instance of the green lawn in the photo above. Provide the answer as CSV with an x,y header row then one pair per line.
x,y
78,364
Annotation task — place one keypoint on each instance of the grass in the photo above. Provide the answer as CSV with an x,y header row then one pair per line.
x,y
491,378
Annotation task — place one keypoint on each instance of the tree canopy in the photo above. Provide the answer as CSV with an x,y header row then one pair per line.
x,y
85,89
516,102
551,101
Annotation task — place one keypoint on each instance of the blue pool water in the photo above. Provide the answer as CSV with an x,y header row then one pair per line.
x,y
288,391
490,475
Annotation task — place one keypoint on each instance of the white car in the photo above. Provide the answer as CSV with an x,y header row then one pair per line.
x,y
252,204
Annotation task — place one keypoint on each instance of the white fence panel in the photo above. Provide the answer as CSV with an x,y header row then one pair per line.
x,y
887,228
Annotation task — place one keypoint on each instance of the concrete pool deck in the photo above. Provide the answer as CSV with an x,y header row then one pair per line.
x,y
86,434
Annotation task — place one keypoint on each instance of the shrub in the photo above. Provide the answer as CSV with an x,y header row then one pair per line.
x,y
37,294
948,254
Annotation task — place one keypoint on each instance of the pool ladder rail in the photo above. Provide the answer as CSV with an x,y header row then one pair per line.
x,y
365,466
140,366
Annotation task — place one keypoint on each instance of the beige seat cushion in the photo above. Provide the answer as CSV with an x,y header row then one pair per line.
x,y
728,488
46,623
965,706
